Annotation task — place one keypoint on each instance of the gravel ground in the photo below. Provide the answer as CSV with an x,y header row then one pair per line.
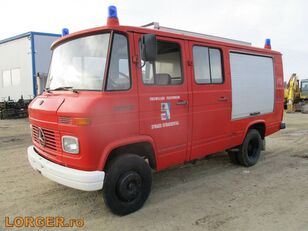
x,y
211,194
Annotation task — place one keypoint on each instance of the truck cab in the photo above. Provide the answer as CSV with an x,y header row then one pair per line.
x,y
123,101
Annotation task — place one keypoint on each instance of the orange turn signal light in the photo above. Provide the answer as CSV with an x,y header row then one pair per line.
x,y
81,121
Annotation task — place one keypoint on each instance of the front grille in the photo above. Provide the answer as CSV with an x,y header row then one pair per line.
x,y
52,141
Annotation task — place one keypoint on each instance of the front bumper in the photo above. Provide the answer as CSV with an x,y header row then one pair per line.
x,y
78,179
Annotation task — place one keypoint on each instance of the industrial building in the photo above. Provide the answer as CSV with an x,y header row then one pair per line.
x,y
21,58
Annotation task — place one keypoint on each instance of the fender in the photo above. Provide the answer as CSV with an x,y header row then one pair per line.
x,y
251,124
118,143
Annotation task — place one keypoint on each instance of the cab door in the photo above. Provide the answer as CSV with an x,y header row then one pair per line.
x,y
163,100
211,106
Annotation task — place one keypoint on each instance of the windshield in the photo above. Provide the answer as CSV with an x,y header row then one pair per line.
x,y
305,86
79,64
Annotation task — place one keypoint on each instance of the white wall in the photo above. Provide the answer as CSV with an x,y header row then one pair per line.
x,y
16,55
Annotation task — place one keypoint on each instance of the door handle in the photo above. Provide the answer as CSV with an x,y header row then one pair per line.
x,y
223,98
182,102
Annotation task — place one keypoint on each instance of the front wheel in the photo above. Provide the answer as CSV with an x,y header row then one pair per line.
x,y
127,184
250,150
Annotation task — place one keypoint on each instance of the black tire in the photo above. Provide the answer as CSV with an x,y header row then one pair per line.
x,y
233,157
127,184
250,150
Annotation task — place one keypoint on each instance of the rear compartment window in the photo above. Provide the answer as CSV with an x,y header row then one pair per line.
x,y
167,69
207,65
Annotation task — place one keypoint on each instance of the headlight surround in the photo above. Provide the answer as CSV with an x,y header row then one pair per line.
x,y
70,144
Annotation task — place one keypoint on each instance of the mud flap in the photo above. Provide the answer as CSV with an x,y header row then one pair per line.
x,y
263,144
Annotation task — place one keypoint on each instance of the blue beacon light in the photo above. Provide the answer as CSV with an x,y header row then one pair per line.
x,y
65,32
112,12
267,44
112,19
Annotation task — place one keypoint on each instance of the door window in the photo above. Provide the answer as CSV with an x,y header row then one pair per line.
x,y
207,65
119,74
167,69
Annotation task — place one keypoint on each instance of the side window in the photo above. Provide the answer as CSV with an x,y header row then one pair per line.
x,y
167,69
7,79
11,77
119,74
304,86
15,76
207,65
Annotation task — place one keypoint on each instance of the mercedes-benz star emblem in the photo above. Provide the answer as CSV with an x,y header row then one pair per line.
x,y
41,137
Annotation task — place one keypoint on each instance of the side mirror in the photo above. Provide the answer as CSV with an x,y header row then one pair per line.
x,y
148,47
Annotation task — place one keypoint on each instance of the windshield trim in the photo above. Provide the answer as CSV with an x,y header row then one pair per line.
x,y
109,52
80,36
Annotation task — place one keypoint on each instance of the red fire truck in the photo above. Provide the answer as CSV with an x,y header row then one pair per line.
x,y
121,102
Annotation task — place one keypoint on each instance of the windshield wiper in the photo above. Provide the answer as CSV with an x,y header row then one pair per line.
x,y
64,89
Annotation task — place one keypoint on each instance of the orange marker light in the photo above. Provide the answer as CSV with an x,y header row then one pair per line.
x,y
81,121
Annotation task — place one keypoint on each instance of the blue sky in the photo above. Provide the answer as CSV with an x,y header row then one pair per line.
x,y
283,21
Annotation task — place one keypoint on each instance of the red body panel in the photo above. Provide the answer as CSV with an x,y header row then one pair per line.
x,y
118,118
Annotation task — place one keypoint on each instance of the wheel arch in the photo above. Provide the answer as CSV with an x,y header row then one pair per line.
x,y
141,146
259,125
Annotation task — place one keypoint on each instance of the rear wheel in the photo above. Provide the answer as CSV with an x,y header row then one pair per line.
x,y
250,150
127,184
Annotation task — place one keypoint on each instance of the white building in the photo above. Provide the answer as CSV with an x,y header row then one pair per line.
x,y
21,58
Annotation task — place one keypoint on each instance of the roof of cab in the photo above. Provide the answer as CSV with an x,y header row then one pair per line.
x,y
144,30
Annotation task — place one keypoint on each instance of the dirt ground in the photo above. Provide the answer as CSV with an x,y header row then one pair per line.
x,y
212,194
